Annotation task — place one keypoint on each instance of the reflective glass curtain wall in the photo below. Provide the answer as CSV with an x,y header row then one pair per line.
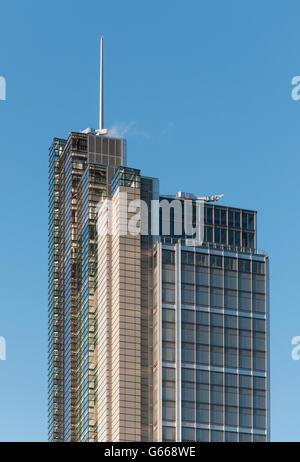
x,y
213,321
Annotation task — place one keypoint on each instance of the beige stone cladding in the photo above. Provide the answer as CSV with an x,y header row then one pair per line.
x,y
119,323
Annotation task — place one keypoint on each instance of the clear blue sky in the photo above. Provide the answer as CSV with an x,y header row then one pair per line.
x,y
203,89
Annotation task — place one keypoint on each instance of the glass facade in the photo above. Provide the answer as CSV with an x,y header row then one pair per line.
x,y
214,345
223,226
150,338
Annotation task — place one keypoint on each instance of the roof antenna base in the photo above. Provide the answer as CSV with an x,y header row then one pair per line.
x,y
102,131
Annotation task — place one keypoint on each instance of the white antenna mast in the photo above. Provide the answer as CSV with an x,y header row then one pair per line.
x,y
101,130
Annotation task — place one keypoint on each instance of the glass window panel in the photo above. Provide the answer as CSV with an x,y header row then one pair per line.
x,y
216,415
188,316
230,280
244,220
168,410
217,236
230,321
231,338
187,277
231,358
168,351
208,214
237,219
168,275
250,240
230,264
259,325
168,293
216,297
202,334
259,383
231,437
217,436
202,435
188,375
216,355
188,411
188,332
168,373
217,216
259,341
188,391
216,378
188,434
208,233
231,380
216,395
245,398
202,413
202,354
202,317
202,276
258,283
258,303
201,296
231,416
216,336
216,261
245,282
251,221
188,294
245,381
216,278
223,236
259,419
231,396
168,331
245,437
259,438
230,299
187,258
244,302
245,417
244,323
202,377
258,267
216,319
223,217
168,433
168,390
201,259
168,257
259,361
245,339
168,315
259,399
188,353
245,359
244,265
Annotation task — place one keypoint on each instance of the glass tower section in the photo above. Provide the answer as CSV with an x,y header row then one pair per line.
x,y
212,317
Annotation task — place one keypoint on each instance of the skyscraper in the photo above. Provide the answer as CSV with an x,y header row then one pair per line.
x,y
152,336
